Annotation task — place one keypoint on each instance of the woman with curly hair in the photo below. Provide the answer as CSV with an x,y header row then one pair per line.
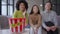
x,y
21,10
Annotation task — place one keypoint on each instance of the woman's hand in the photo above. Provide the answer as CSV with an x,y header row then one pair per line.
x,y
32,26
24,13
36,27
53,28
48,28
26,24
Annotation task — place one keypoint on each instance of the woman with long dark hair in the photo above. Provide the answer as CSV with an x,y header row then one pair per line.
x,y
35,20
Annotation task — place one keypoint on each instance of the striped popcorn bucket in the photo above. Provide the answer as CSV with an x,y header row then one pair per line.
x,y
17,24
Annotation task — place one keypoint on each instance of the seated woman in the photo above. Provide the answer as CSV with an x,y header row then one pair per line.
x,y
35,20
50,24
21,11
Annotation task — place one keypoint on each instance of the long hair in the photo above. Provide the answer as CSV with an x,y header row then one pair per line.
x,y
32,10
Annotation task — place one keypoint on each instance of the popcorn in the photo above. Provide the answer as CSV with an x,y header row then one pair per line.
x,y
17,24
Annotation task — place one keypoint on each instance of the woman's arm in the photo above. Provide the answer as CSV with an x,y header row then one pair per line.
x,y
30,21
39,21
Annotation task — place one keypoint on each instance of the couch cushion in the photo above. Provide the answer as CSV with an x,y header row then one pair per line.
x,y
4,22
58,19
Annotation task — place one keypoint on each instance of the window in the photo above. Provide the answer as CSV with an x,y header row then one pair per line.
x,y
4,10
7,7
10,10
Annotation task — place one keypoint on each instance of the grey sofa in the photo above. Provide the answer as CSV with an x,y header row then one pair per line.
x,y
4,22
5,25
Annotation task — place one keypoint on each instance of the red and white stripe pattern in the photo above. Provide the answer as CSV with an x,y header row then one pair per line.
x,y
18,28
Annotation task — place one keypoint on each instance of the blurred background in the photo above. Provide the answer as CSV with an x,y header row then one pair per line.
x,y
7,8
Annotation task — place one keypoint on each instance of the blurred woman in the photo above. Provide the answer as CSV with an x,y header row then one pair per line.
x,y
21,11
49,19
35,20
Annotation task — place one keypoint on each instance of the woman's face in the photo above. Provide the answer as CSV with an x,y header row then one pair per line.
x,y
35,9
47,6
22,6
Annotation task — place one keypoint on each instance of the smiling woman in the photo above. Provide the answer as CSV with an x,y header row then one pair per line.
x,y
35,20
21,10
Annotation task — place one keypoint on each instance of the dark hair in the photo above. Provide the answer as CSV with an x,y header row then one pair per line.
x,y
32,10
21,1
50,4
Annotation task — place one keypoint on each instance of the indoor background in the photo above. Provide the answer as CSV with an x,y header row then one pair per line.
x,y
7,8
